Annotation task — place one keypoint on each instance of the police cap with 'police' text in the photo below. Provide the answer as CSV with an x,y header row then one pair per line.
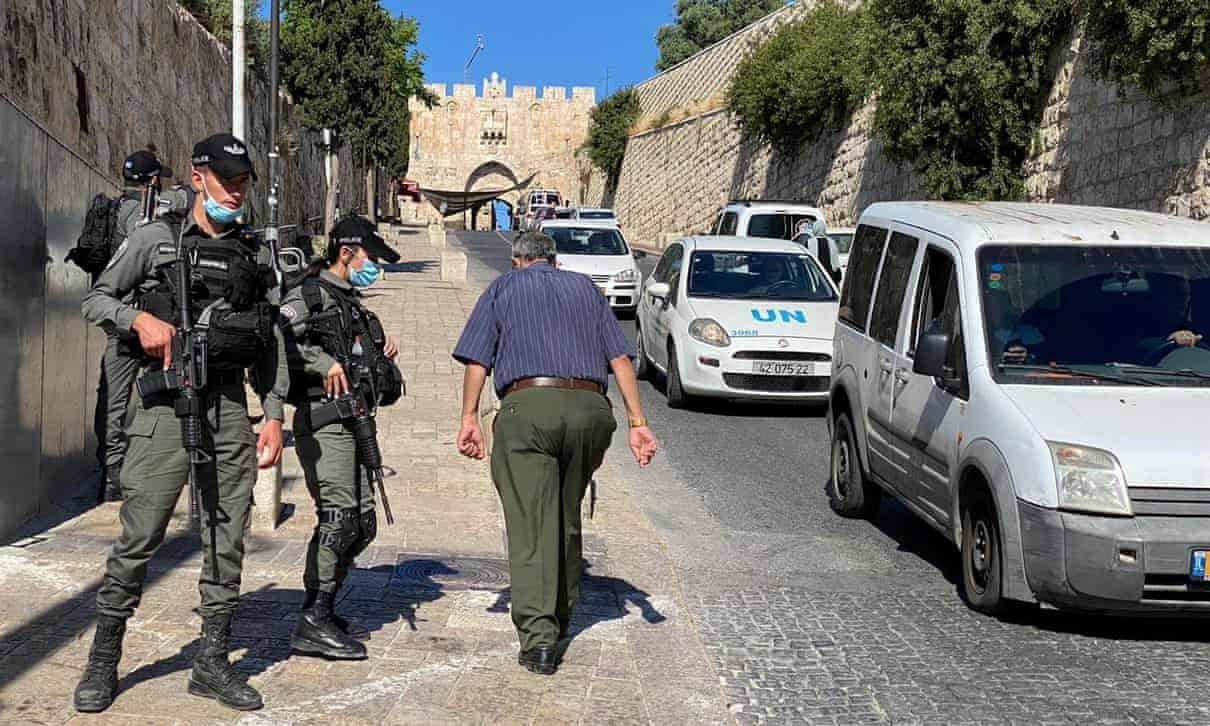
x,y
226,156
358,231
141,166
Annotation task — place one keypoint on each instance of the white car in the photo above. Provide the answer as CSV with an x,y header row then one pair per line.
x,y
738,318
598,250
843,237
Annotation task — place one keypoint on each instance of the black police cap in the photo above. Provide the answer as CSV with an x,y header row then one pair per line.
x,y
141,166
358,231
226,156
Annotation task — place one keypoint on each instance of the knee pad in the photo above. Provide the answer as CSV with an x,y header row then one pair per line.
x,y
367,531
338,529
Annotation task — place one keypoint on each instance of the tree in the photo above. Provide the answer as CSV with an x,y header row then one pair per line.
x,y
608,130
702,23
1146,43
348,64
802,82
216,16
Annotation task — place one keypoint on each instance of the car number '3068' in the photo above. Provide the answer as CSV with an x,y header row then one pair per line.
x,y
780,368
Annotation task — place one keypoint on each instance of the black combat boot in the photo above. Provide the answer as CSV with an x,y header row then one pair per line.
x,y
318,634
356,632
96,689
113,485
213,675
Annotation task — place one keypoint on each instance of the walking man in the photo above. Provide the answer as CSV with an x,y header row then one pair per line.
x,y
233,286
551,340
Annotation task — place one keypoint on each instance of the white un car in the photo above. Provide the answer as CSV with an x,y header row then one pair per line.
x,y
598,250
738,318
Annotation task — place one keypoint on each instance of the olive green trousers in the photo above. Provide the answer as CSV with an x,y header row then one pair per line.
x,y
548,443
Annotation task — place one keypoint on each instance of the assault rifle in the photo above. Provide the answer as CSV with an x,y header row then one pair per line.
x,y
355,407
186,376
151,200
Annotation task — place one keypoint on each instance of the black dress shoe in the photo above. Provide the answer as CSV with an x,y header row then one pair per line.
x,y
543,660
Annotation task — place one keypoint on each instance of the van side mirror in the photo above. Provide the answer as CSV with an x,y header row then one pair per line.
x,y
931,351
639,254
659,290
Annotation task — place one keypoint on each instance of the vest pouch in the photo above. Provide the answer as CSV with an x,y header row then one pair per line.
x,y
388,379
239,339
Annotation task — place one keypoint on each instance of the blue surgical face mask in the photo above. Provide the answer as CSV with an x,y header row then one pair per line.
x,y
366,276
217,212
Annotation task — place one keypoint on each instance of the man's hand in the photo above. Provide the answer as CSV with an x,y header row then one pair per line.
x,y
269,445
643,445
390,349
470,439
1185,338
335,383
155,336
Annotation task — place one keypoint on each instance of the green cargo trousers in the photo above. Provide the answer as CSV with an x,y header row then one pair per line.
x,y
548,443
153,475
344,501
113,401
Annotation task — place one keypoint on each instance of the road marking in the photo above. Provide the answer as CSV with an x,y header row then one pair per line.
x,y
503,237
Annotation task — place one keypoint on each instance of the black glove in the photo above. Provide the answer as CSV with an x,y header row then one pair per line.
x,y
243,286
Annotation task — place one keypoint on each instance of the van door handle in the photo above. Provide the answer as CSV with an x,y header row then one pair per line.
x,y
902,376
885,366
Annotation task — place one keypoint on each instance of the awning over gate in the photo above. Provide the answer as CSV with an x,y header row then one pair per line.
x,y
448,202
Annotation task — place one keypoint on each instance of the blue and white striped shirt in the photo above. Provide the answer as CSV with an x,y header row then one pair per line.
x,y
541,321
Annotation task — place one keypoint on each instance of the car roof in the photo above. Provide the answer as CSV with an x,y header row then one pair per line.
x,y
595,209
976,223
714,243
775,205
842,230
585,223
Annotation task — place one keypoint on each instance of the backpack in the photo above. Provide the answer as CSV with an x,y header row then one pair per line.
x,y
96,243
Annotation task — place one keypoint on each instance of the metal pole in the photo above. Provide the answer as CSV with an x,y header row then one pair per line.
x,y
466,70
239,63
271,229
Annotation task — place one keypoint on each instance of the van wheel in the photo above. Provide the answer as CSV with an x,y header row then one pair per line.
x,y
982,558
849,493
642,364
675,390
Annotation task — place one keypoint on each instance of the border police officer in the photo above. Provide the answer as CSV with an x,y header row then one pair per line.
x,y
552,340
326,324
231,277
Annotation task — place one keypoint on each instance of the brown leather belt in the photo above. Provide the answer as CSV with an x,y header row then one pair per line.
x,y
569,384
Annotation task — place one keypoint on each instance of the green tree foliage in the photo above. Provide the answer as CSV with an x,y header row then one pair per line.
x,y
608,130
216,16
1146,43
803,82
701,23
960,85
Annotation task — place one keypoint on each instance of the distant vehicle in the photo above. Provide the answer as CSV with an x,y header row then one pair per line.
x,y
843,237
766,219
825,251
540,215
532,201
1032,381
598,250
738,318
565,213
596,215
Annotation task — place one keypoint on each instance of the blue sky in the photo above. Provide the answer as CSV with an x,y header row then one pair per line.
x,y
540,42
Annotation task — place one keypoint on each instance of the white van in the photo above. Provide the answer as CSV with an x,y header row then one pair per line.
x,y
1032,381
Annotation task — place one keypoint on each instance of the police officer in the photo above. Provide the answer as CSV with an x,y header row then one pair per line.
x,y
327,325
551,340
232,273
141,173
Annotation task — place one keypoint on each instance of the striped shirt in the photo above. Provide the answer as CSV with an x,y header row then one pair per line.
x,y
541,321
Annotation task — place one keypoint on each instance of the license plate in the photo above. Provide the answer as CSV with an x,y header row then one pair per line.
x,y
781,368
1197,567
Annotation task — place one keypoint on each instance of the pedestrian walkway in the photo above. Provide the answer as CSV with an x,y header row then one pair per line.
x,y
433,589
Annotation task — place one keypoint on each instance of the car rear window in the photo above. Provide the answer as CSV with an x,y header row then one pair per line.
x,y
596,215
588,241
780,225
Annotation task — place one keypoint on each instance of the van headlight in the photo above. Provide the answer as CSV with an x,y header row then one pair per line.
x,y
1090,480
626,276
709,332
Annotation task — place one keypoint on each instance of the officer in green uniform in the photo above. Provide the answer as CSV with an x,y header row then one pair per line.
x,y
141,171
232,278
326,322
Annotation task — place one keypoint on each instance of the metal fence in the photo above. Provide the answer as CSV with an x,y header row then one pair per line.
x,y
49,356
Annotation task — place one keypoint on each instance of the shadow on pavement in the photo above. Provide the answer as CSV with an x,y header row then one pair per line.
x,y
413,267
745,409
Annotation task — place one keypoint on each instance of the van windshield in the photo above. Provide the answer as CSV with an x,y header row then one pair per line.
x,y
587,241
1066,314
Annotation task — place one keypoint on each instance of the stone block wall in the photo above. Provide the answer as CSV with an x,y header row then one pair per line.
x,y
1096,144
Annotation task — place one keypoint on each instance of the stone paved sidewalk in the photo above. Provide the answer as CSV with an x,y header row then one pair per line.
x,y
433,589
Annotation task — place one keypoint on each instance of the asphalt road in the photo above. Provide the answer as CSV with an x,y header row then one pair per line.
x,y
812,618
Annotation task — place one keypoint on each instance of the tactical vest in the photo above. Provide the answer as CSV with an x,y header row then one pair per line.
x,y
238,337
339,332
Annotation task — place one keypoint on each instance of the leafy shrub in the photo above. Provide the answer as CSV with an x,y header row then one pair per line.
x,y
960,85
607,133
1145,43
804,81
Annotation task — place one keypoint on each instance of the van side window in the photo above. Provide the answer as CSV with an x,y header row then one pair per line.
x,y
863,266
931,294
951,316
728,224
901,253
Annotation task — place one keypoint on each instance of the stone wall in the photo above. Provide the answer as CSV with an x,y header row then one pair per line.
x,y
107,77
1096,144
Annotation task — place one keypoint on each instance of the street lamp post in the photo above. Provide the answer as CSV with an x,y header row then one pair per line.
x,y
271,228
